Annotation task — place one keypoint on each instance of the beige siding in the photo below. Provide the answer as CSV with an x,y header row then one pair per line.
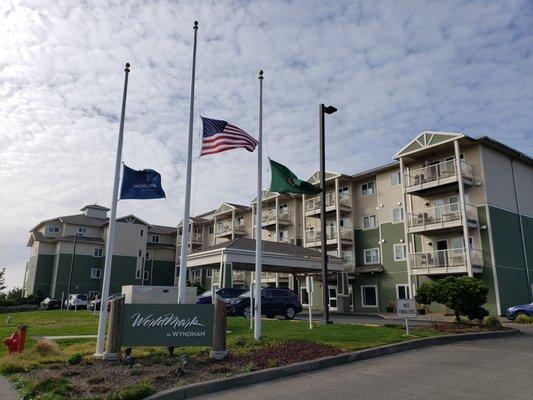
x,y
524,183
498,179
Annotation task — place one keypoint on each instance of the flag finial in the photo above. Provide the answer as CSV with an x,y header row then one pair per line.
x,y
195,25
127,67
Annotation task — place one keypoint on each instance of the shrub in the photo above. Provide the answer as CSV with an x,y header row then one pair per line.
x,y
135,392
464,295
7,303
46,348
74,359
523,319
492,322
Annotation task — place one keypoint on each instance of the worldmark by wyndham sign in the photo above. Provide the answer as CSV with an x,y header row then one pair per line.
x,y
167,325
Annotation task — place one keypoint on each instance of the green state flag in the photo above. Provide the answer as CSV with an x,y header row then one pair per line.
x,y
284,181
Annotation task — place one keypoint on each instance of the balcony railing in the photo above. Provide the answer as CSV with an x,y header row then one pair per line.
x,y
437,217
313,236
269,217
432,175
313,204
228,228
445,261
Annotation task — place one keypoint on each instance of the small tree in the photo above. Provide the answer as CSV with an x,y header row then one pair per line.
x,y
464,295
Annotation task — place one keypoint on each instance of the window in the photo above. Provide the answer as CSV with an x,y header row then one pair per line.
x,y
53,229
283,235
402,292
138,274
82,231
345,222
240,221
98,252
147,256
395,178
344,192
369,296
454,203
369,222
304,296
368,189
96,273
155,238
141,232
283,209
146,275
208,273
371,256
211,230
400,250
140,253
397,214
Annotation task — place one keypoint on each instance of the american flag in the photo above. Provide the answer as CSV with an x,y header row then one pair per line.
x,y
221,136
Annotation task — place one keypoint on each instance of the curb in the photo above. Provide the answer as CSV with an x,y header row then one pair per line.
x,y
218,385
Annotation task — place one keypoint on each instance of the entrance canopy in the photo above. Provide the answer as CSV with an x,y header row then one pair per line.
x,y
277,257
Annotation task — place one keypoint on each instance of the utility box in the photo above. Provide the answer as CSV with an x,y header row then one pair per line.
x,y
137,294
343,303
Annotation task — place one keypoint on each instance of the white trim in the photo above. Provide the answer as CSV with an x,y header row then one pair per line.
x,y
368,194
398,174
394,252
363,297
98,252
96,273
406,285
369,219
402,215
371,262
453,136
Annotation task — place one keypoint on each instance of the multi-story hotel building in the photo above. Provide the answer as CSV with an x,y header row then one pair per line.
x,y
448,205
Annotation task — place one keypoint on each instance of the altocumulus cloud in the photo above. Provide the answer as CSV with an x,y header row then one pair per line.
x,y
392,68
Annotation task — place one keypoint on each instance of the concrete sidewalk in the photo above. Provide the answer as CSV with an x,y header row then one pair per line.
x,y
6,390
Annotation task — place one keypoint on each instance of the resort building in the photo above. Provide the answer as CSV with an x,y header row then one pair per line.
x,y
449,204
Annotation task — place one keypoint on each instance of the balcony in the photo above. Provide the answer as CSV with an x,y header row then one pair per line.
x,y
312,205
440,174
228,229
443,262
441,217
313,238
269,219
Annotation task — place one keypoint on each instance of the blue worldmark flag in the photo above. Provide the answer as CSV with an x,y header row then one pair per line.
x,y
142,185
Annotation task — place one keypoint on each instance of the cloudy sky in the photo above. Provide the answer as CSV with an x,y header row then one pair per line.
x,y
392,69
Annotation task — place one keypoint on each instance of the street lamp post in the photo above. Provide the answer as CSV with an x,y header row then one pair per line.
x,y
323,110
71,269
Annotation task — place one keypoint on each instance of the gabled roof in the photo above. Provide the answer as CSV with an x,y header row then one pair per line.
x,y
95,206
163,230
427,139
227,207
266,195
132,219
315,178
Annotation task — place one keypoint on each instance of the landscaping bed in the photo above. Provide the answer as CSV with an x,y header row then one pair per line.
x,y
67,369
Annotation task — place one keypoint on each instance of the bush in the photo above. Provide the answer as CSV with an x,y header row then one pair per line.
x,y
46,348
74,359
135,392
492,322
7,303
523,319
464,295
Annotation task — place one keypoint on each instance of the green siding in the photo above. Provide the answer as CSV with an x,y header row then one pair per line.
x,y
509,256
487,276
527,224
365,239
161,272
361,280
40,270
81,274
394,272
123,273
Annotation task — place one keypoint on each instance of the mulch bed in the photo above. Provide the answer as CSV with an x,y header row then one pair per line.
x,y
454,328
98,378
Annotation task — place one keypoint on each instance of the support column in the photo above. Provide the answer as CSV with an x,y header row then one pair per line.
x,y
233,225
408,248
277,218
338,217
253,221
463,206
228,275
215,229
191,236
303,220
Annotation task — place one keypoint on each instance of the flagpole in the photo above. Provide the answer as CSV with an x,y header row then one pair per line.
x,y
182,283
258,227
111,232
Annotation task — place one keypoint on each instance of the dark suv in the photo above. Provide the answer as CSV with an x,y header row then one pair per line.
x,y
274,301
225,293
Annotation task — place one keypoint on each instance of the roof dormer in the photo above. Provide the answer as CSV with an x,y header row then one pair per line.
x,y
95,211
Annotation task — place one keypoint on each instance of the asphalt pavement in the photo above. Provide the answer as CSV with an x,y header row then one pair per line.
x,y
473,370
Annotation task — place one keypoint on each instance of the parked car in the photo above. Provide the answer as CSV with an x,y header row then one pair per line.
x,y
50,304
274,301
76,301
97,302
524,309
225,293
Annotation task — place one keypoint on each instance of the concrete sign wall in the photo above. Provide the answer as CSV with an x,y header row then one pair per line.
x,y
167,325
